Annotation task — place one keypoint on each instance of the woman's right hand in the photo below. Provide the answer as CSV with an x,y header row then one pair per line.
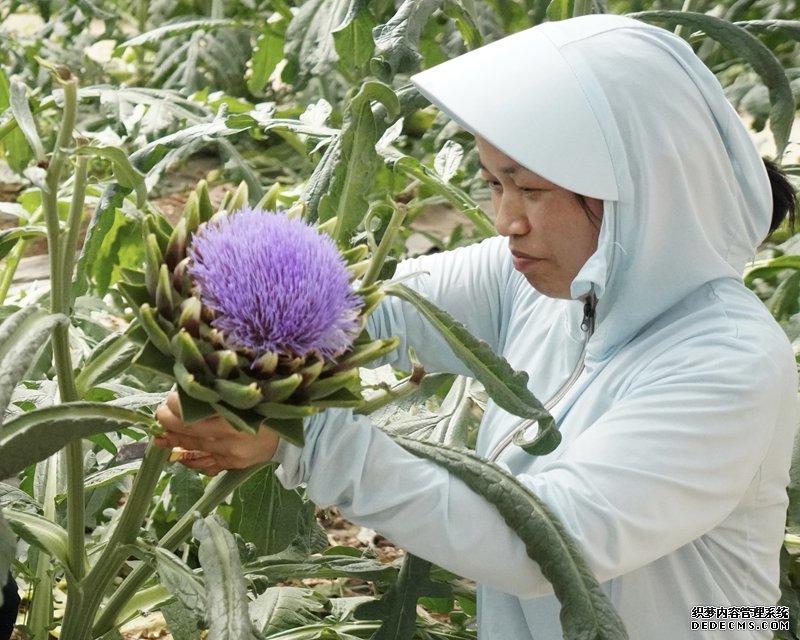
x,y
212,445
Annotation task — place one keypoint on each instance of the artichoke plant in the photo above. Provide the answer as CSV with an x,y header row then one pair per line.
x,y
256,315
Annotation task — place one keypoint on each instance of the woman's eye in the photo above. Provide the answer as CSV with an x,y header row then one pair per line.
x,y
494,185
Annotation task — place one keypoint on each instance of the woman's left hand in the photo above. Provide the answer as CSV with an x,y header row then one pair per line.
x,y
212,445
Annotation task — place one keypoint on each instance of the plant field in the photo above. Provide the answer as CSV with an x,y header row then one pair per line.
x,y
126,125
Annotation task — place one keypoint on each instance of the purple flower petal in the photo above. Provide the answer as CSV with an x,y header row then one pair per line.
x,y
275,284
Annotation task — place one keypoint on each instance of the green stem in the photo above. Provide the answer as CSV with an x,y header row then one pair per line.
x,y
216,492
74,220
688,5
379,257
582,8
10,269
78,622
397,392
41,611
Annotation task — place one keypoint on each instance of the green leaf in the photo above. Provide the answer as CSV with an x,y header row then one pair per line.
x,y
181,581
267,54
182,624
8,549
740,42
41,532
226,596
353,37
10,237
39,433
284,608
265,513
789,28
155,36
560,9
412,167
129,177
22,335
22,112
398,607
397,41
785,302
310,48
508,388
355,170
107,360
18,153
186,488
586,611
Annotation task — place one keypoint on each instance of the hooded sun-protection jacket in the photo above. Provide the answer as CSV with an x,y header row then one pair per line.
x,y
678,427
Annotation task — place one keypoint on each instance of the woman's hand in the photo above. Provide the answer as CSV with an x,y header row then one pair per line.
x,y
212,445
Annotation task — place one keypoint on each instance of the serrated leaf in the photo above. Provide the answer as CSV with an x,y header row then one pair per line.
x,y
111,476
586,611
265,513
39,433
738,40
785,301
158,34
41,532
226,596
186,488
508,388
10,237
22,113
397,41
181,581
398,606
267,54
19,345
285,608
355,170
108,359
310,49
18,153
448,160
353,37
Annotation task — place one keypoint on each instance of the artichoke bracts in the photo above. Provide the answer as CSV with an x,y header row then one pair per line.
x,y
256,315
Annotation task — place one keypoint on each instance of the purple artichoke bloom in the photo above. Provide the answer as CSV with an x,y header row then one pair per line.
x,y
275,284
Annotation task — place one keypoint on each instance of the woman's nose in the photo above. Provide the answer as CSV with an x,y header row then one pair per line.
x,y
509,217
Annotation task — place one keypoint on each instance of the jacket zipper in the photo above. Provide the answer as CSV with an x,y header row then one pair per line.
x,y
587,326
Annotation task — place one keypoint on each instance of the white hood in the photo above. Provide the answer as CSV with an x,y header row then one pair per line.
x,y
612,108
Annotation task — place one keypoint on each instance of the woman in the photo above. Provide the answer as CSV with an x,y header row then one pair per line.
x,y
628,199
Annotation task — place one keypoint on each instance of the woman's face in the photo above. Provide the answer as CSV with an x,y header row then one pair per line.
x,y
550,234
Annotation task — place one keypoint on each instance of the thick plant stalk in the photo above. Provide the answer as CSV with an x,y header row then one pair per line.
x,y
384,248
78,622
216,492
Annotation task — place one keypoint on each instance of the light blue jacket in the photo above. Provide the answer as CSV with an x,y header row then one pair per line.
x,y
678,432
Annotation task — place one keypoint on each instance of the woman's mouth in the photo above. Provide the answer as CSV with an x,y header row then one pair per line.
x,y
522,260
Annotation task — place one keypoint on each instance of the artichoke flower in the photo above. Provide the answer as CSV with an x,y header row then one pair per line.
x,y
256,315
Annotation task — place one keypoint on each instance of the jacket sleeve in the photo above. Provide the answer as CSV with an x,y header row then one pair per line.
x,y
469,283
664,465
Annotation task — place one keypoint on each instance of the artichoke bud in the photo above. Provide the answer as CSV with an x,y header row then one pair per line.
x,y
358,269
153,329
176,247
266,363
356,254
186,351
223,363
191,214
189,317
329,226
311,372
180,277
280,389
323,387
204,206
165,301
365,353
191,386
153,261
241,396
